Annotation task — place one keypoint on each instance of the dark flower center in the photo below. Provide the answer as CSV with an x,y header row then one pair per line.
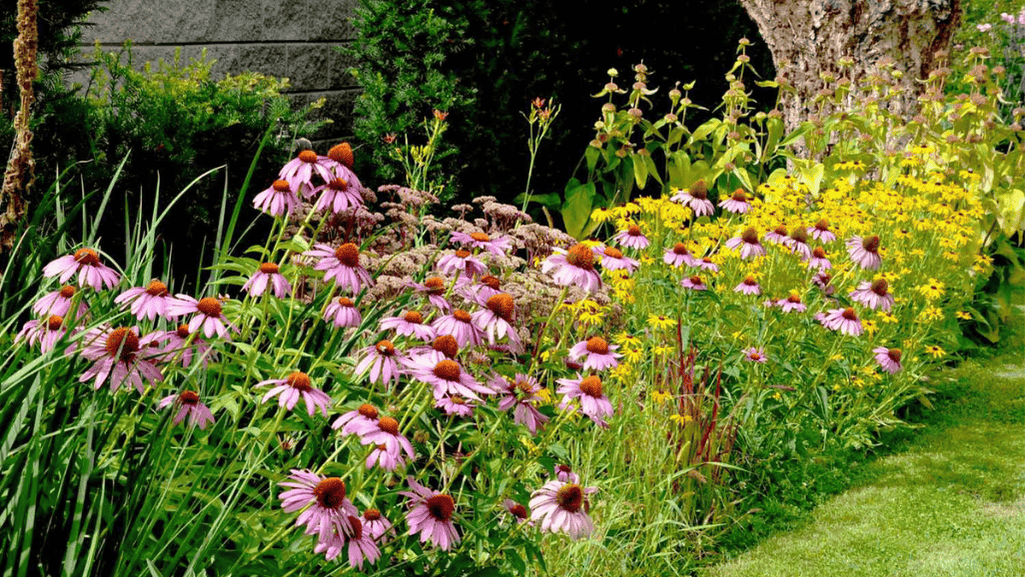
x,y
819,252
871,244
613,252
502,305
188,398
739,196
338,184
880,287
308,156
598,346
524,387
209,306
343,301
447,370
822,225
480,237
122,343
518,511
461,315
388,425
156,289
570,498
633,230
342,154
385,348
67,291
750,235
750,281
566,469
580,256
330,493
435,285
300,381
182,331
457,400
357,528
447,345
269,268
462,253
799,235
281,186
756,357
591,386
368,411
413,317
371,514
680,249
87,256
849,314
54,322
794,299
894,355
348,254
695,280
780,230
441,507
699,190
491,281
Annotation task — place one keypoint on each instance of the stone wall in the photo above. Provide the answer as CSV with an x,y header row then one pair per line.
x,y
293,39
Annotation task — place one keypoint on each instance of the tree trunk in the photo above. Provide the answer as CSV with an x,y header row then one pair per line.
x,y
808,38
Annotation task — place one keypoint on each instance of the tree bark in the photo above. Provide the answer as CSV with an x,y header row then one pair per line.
x,y
808,39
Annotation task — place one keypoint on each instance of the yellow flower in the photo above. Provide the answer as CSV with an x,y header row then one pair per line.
x,y
623,372
661,321
627,340
931,290
660,396
836,358
631,354
870,326
546,395
963,315
601,214
931,314
682,419
887,318
935,351
663,350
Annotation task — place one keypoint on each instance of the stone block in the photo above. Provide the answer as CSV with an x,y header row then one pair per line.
x,y
313,66
337,107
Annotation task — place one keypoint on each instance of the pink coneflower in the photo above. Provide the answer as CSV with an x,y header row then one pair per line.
x,y
844,320
822,280
737,202
208,315
565,474
792,304
705,263
479,292
888,359
798,243
520,394
382,360
613,259
563,507
375,524
818,259
342,265
460,326
632,237
821,232
343,313
119,355
389,444
44,332
358,422
589,391
147,302
748,286
341,161
178,347
696,198
85,262
678,256
874,295
865,252
447,378
410,324
461,262
455,405
430,515
338,194
517,510
198,413
755,355
267,275
328,507
359,545
300,170
747,243
573,267
597,353
280,198
694,282
496,246
58,303
434,288
777,235
496,320
294,387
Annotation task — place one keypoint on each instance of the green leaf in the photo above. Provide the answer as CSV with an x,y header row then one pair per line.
x,y
576,211
640,172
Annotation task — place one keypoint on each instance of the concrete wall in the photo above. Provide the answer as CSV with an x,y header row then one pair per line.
x,y
292,39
